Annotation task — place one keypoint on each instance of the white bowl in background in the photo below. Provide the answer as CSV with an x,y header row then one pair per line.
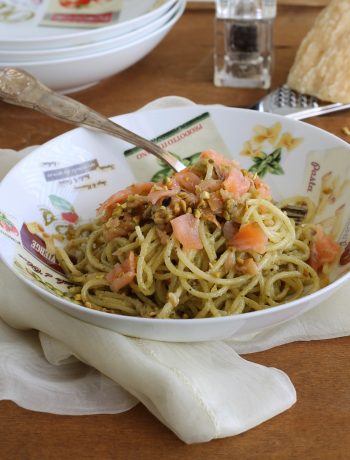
x,y
75,73
30,35
48,172
18,57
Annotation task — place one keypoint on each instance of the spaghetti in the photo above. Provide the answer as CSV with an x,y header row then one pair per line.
x,y
207,242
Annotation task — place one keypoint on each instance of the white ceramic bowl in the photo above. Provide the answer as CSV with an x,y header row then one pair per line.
x,y
18,57
30,35
75,73
70,175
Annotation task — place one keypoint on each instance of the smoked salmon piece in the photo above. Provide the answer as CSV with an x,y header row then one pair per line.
x,y
122,274
186,231
106,208
263,188
236,183
157,195
324,250
187,180
250,237
213,155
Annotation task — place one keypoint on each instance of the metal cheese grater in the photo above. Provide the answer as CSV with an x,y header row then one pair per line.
x,y
285,101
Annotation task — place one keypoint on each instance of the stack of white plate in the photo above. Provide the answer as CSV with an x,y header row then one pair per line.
x,y
69,59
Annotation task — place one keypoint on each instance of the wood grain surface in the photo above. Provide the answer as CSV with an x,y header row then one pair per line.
x,y
317,427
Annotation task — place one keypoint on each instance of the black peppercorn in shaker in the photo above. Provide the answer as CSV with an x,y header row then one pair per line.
x,y
243,43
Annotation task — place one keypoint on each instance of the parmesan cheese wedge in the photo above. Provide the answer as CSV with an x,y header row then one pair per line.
x,y
322,64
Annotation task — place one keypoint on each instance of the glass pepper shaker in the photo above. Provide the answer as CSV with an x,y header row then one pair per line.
x,y
243,43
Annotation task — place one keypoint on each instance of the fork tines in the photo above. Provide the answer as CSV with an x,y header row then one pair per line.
x,y
296,212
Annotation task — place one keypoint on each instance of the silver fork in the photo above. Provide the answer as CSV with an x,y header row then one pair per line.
x,y
287,102
20,88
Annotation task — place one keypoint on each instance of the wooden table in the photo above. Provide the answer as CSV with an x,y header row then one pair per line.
x,y
317,427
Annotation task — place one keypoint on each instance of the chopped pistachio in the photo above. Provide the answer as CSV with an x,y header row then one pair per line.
x,y
182,195
229,203
227,215
166,180
183,205
205,195
117,212
177,208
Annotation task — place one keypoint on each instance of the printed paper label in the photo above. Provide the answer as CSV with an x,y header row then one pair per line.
x,y
81,13
185,142
327,183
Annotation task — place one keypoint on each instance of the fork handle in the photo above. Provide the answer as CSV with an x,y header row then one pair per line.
x,y
317,111
20,88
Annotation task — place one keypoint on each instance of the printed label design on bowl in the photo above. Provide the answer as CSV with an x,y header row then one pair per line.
x,y
18,11
327,183
8,226
35,240
56,219
186,142
87,175
266,147
35,259
81,13
41,274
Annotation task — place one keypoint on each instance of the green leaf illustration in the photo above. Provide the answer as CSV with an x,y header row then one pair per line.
x,y
60,203
268,163
192,159
162,174
48,216
257,160
166,171
275,169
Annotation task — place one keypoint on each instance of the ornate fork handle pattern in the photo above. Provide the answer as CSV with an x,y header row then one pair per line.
x,y
20,88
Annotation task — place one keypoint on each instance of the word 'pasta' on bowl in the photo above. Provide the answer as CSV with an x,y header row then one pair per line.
x,y
108,234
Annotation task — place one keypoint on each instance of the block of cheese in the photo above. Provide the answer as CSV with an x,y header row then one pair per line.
x,y
322,63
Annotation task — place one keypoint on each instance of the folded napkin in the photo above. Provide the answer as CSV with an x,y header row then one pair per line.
x,y
200,391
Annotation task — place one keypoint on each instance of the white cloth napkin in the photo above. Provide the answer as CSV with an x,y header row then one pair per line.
x,y
200,391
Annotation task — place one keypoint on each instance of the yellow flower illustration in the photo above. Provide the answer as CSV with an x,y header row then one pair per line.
x,y
263,134
289,142
250,151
